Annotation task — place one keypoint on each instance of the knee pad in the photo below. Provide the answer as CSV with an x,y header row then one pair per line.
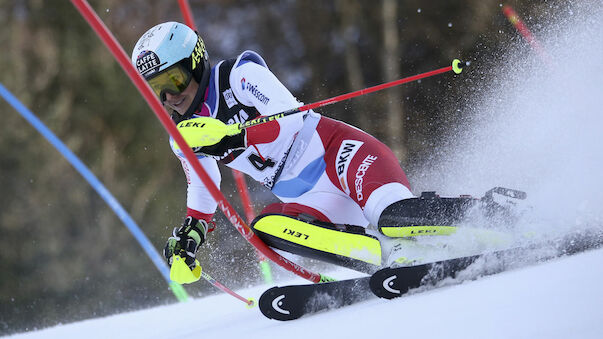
x,y
343,245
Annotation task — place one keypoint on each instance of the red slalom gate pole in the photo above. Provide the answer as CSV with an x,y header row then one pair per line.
x,y
250,215
187,13
519,25
109,40
244,192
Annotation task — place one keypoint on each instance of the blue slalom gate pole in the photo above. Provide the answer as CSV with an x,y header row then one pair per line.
x,y
138,234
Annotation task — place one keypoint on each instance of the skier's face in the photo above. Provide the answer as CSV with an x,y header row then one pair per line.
x,y
181,102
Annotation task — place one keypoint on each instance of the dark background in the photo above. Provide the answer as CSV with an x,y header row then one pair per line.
x,y
65,256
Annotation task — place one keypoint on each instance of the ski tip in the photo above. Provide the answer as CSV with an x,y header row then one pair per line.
x,y
275,304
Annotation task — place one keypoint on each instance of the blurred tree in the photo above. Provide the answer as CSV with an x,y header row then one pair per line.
x,y
395,135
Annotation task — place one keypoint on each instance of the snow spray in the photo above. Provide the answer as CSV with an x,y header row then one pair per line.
x,y
537,128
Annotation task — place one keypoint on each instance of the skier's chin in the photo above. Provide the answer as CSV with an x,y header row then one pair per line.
x,y
180,106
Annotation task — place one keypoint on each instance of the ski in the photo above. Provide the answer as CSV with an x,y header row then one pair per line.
x,y
393,282
294,301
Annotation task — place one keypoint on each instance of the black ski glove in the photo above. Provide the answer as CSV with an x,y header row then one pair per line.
x,y
186,240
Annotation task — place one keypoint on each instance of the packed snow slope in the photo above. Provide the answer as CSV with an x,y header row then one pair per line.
x,y
557,299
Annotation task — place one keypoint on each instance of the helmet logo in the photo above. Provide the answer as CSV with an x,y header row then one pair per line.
x,y
147,63
198,53
146,38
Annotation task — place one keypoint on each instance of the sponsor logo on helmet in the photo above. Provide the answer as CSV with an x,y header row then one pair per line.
x,y
147,63
198,53
346,152
145,40
361,172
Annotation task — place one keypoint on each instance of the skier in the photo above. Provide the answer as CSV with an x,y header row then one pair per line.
x,y
328,175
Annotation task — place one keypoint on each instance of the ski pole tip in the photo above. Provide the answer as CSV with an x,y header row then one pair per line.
x,y
455,66
251,303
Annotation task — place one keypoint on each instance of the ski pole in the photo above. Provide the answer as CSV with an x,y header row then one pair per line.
x,y
455,67
204,131
181,273
250,302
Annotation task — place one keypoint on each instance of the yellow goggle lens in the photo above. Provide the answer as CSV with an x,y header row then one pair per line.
x,y
173,80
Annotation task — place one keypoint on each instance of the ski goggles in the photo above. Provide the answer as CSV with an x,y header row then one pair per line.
x,y
173,80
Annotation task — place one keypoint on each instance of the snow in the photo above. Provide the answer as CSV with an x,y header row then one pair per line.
x,y
557,299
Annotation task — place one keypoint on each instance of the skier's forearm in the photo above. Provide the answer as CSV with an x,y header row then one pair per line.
x,y
198,197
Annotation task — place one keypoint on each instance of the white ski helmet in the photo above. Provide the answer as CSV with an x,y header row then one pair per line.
x,y
173,48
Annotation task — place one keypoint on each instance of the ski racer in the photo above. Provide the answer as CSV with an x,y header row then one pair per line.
x,y
327,174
